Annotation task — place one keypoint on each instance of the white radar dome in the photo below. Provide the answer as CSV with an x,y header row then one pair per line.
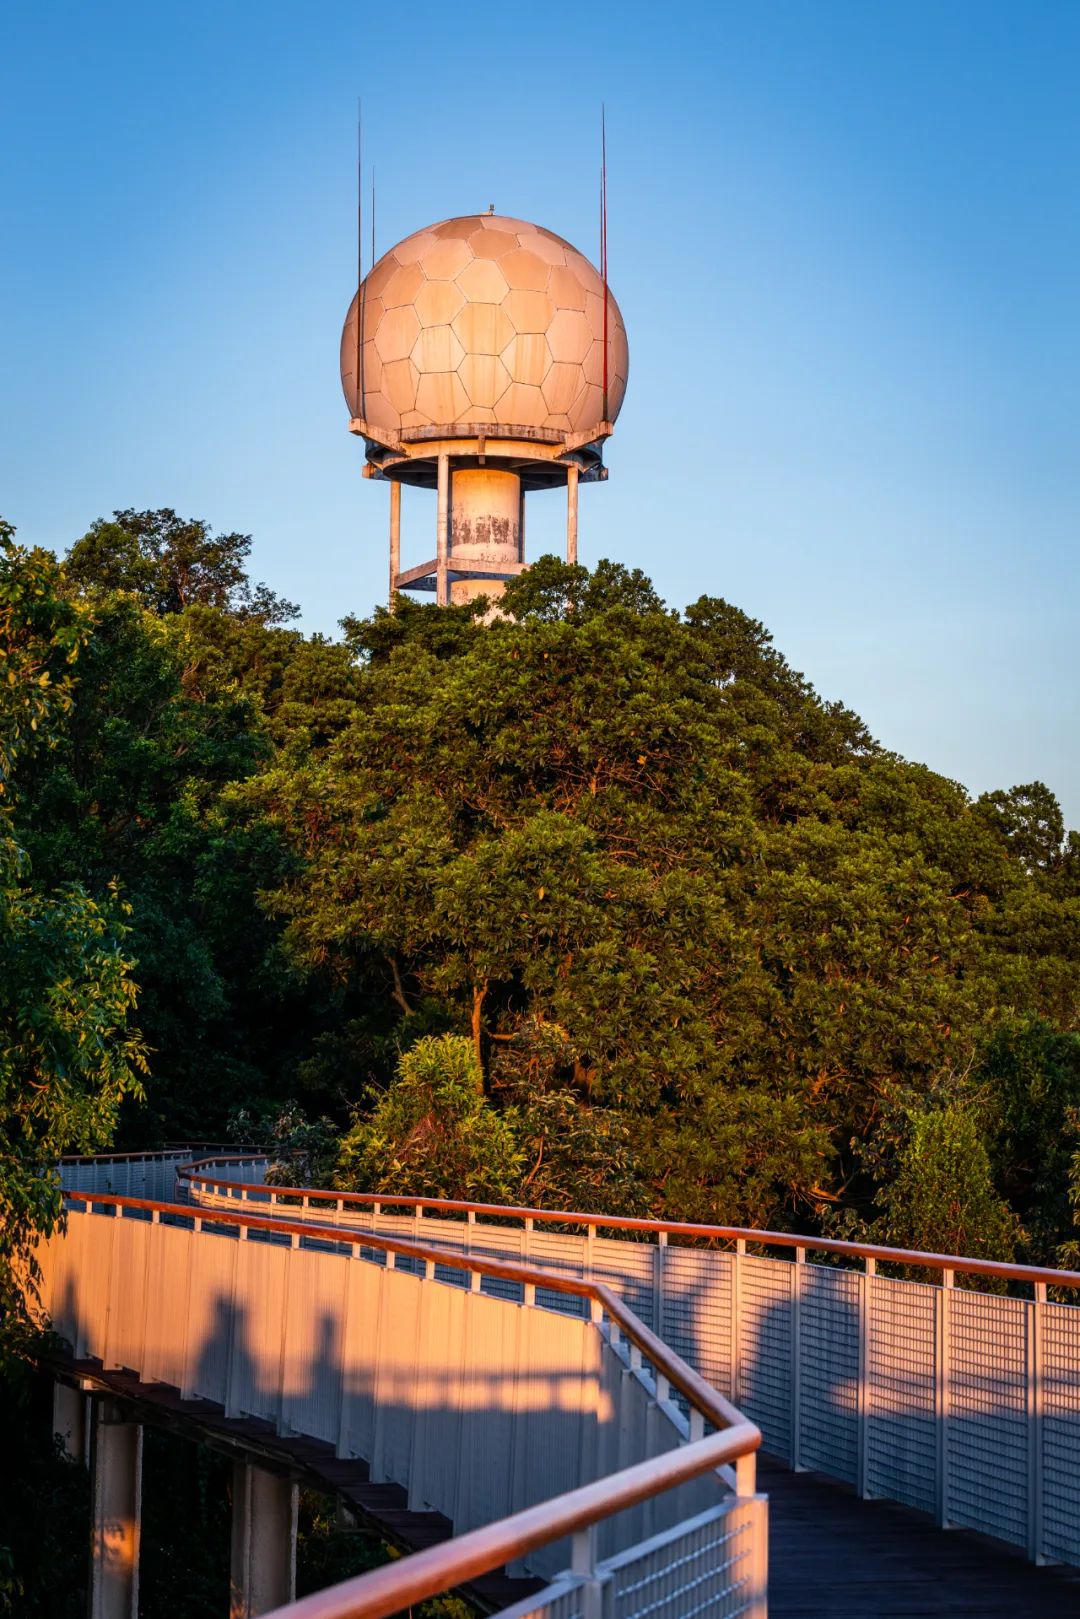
x,y
484,320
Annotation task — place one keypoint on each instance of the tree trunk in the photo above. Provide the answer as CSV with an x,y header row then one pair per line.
x,y
479,991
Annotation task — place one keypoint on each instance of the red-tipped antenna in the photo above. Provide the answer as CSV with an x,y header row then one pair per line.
x,y
359,401
603,243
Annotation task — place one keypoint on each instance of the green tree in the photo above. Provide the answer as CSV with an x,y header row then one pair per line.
x,y
941,1195
1029,1080
68,1055
747,921
170,563
433,1131
168,709
1029,819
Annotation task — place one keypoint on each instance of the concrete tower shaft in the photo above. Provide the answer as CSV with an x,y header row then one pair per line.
x,y
487,529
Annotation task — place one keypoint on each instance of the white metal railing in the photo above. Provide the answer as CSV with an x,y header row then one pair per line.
x,y
964,1404
699,1567
479,1408
154,1174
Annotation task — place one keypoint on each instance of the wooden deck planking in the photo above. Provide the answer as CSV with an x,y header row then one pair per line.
x,y
832,1556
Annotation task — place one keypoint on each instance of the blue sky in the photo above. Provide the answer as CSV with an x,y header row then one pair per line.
x,y
845,239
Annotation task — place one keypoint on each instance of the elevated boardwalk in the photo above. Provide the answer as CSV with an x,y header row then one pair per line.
x,y
382,1351
833,1556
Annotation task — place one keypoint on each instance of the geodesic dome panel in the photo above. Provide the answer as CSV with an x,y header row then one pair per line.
x,y
483,321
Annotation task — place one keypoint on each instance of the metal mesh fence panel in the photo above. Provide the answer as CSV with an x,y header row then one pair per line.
x,y
901,1439
829,1302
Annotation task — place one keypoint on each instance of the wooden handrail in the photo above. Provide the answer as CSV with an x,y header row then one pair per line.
x,y
700,1394
1037,1274
398,1585
241,1155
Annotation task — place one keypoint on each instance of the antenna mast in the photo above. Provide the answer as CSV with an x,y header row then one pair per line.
x,y
359,257
603,243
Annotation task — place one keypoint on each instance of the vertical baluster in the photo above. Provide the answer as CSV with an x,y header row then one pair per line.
x,y
798,1272
1036,1320
736,1319
864,1401
942,1378
583,1565
659,1262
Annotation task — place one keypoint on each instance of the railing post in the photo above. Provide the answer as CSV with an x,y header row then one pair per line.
x,y
746,1474
1035,1402
108,1361
659,1260
863,1401
282,1422
798,1272
341,1444
736,1317
528,1294
943,1391
942,1367
758,1597
475,1277
583,1564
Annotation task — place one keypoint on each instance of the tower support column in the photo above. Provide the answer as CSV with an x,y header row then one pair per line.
x,y
486,505
395,539
442,582
571,513
262,1573
115,1512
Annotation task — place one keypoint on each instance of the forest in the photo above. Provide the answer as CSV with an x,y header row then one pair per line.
x,y
598,905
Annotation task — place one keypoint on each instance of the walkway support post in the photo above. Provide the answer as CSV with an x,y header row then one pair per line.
x,y
69,1421
115,1512
262,1574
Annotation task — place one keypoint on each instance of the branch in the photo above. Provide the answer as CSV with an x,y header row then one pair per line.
x,y
399,992
539,1160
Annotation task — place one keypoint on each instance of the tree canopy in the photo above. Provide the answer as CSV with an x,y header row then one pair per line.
x,y
68,1052
597,903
